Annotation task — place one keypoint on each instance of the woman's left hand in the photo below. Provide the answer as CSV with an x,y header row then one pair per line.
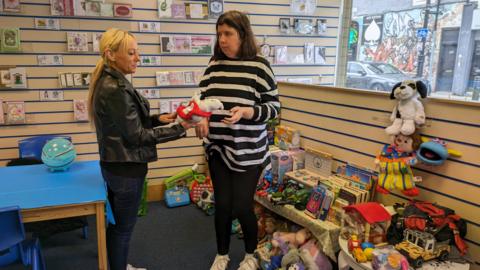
x,y
167,118
238,113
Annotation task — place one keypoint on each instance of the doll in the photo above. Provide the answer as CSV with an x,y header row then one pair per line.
x,y
394,165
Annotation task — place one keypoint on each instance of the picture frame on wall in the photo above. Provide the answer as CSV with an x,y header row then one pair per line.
x,y
122,10
215,8
320,55
12,6
15,112
284,25
167,45
303,26
2,118
10,40
321,26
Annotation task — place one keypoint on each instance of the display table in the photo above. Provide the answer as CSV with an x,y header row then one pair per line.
x,y
325,232
43,195
346,261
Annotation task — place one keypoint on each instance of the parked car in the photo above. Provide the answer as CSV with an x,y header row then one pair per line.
x,y
373,75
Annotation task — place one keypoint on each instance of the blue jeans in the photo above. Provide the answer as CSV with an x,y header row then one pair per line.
x,y
124,195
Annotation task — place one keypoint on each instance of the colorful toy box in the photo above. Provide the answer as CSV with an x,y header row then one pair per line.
x,y
287,138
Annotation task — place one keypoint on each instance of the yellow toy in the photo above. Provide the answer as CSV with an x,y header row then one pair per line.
x,y
394,163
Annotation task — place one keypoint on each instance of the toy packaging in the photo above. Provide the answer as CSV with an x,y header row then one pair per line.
x,y
318,162
177,196
287,138
387,258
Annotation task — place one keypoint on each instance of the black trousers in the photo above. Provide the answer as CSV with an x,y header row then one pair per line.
x,y
234,193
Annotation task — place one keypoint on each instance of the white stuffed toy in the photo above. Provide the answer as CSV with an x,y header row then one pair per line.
x,y
197,109
408,112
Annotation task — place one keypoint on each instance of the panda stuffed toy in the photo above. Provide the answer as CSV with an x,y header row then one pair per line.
x,y
408,112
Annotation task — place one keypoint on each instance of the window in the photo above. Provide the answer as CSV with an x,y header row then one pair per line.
x,y
396,40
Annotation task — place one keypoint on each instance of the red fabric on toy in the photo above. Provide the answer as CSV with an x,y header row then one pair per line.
x,y
195,111
371,211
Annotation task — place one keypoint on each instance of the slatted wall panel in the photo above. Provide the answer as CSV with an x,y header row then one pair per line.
x,y
57,117
349,124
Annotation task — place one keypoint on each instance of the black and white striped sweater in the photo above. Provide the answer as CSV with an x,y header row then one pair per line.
x,y
244,83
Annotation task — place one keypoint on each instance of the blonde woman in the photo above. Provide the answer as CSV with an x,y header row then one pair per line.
x,y
126,135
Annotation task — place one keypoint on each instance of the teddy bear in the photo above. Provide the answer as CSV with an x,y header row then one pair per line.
x,y
197,109
408,112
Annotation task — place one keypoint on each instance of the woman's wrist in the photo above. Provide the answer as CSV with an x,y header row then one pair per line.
x,y
247,113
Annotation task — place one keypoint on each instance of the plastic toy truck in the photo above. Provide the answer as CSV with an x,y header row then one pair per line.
x,y
420,246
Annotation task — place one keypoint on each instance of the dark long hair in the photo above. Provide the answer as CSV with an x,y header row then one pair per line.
x,y
240,22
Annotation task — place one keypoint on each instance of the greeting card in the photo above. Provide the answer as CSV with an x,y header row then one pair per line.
x,y
69,7
15,112
165,8
51,95
1,6
77,42
196,10
215,8
122,10
106,10
50,60
2,118
174,104
162,78
5,78
198,74
80,8
178,11
150,60
18,78
305,7
149,93
164,106
167,44
202,44
10,40
93,8
11,6
183,44
47,23
96,37
57,7
176,78
77,79
320,57
281,55
80,110
189,77
149,27
309,53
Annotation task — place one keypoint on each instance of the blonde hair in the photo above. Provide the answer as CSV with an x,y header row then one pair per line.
x,y
115,40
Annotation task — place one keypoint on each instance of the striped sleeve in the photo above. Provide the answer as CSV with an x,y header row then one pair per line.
x,y
269,106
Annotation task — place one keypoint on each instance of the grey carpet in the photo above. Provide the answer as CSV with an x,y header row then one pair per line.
x,y
180,238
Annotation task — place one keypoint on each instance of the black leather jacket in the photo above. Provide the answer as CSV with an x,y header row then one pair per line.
x,y
125,130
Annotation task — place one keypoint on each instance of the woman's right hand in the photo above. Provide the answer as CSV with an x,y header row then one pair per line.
x,y
201,129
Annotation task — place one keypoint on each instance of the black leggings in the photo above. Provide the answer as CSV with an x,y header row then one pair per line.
x,y
234,193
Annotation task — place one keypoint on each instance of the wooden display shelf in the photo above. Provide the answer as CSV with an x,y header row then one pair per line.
x,y
326,232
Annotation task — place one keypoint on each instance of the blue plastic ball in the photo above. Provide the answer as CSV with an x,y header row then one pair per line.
x,y
58,154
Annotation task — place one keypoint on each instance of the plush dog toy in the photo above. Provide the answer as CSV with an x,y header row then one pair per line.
x,y
197,109
408,112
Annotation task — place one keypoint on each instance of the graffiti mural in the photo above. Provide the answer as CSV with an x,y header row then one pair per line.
x,y
399,44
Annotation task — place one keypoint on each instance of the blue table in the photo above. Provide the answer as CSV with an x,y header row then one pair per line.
x,y
43,195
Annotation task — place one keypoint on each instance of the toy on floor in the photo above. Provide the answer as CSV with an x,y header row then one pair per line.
x,y
394,163
197,109
435,152
408,112
206,202
183,177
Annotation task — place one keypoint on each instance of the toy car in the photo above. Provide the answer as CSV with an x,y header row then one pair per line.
x,y
420,246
